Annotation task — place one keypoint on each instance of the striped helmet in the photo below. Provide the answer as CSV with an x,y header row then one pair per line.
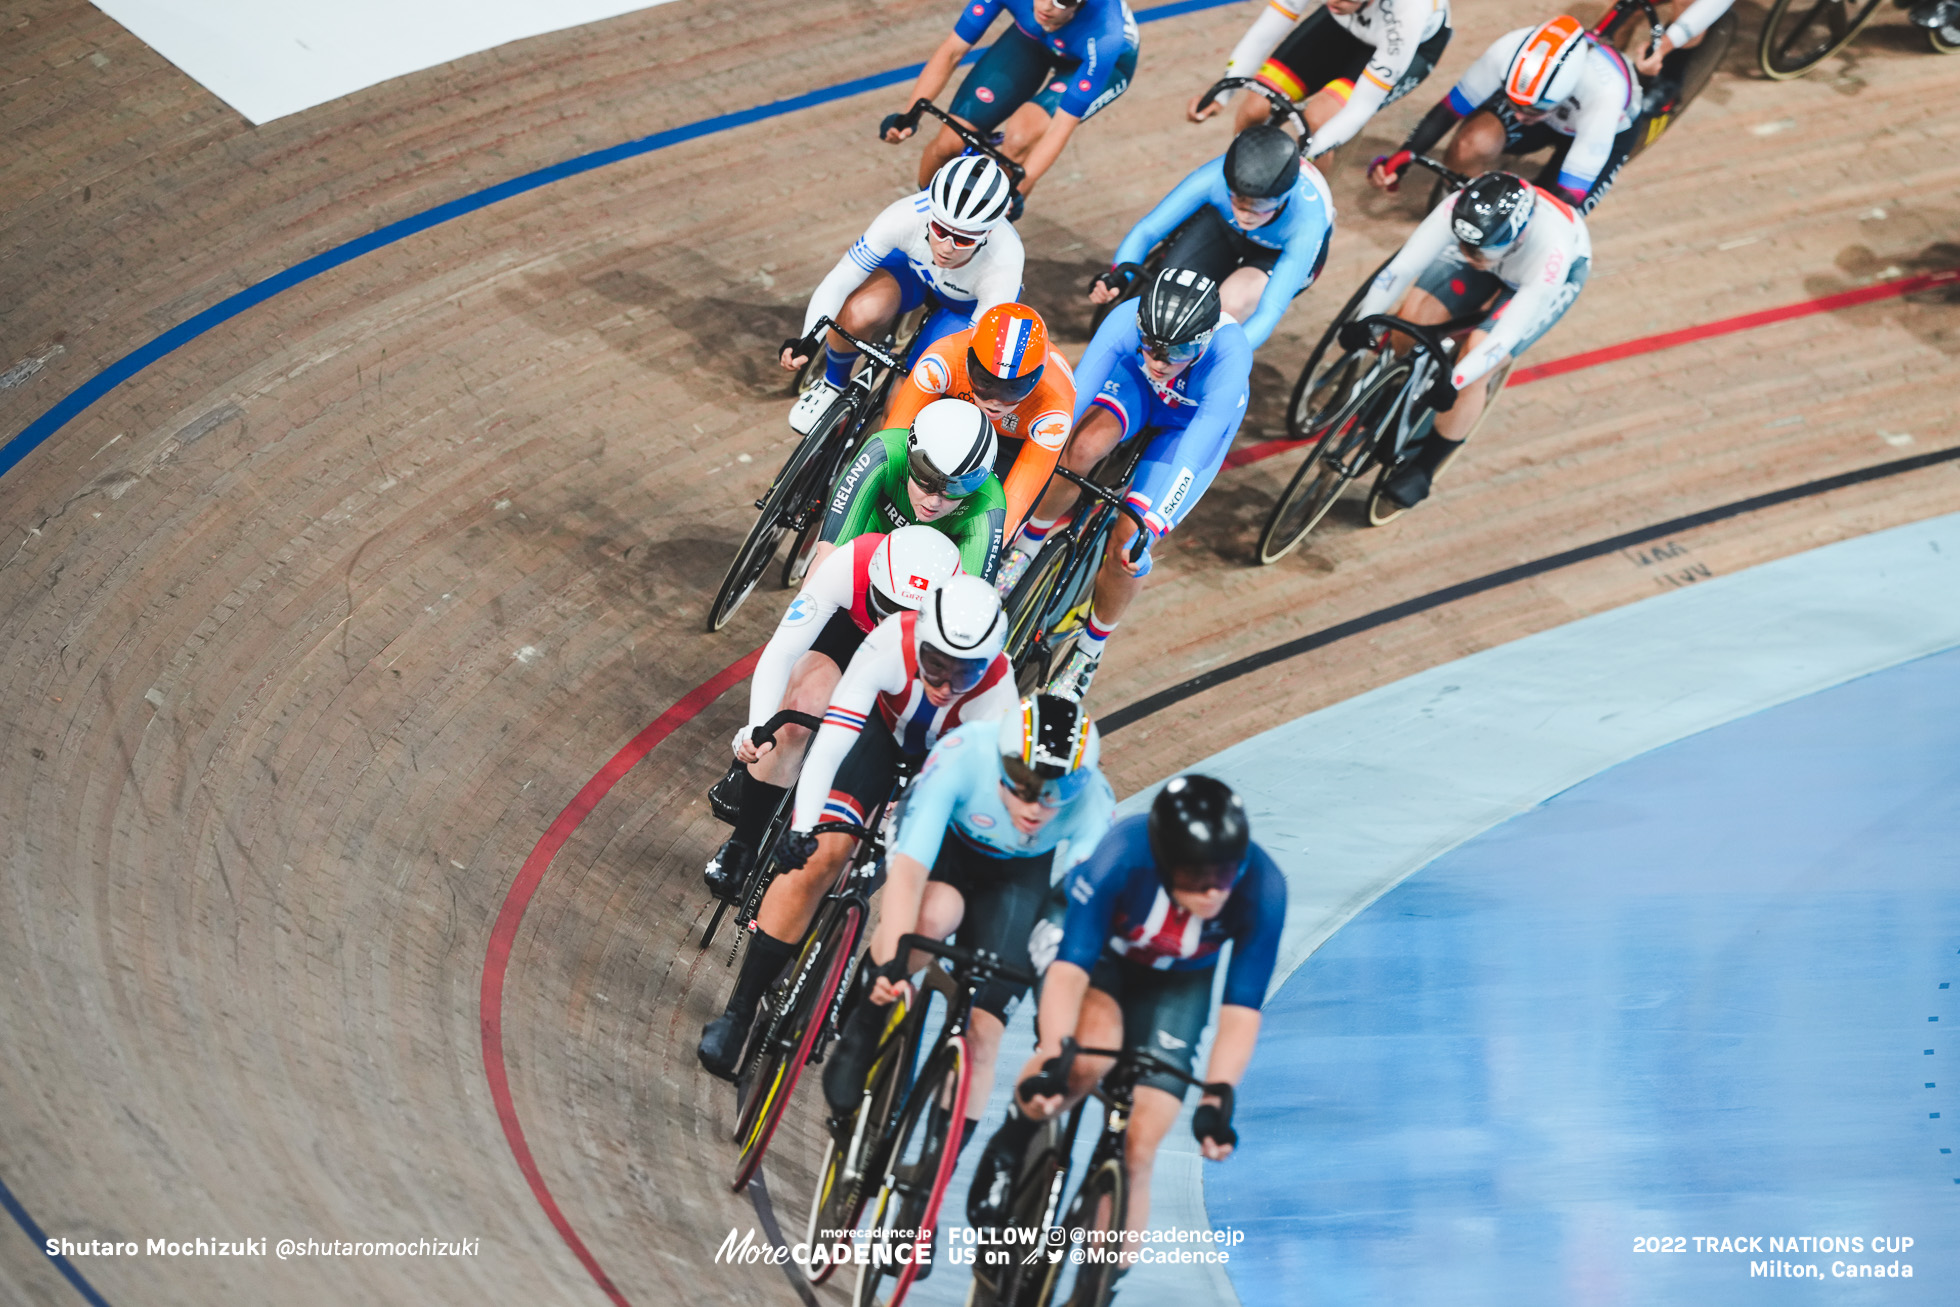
x,y
1545,71
1007,353
1048,749
970,195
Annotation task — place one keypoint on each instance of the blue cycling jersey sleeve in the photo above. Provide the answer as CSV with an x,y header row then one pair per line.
x,y
1115,340
959,789
1222,384
931,797
1257,913
1309,225
1096,888
976,16
1185,199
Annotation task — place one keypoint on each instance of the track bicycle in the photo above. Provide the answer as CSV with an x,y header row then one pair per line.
x,y
898,1151
1050,602
1368,411
795,501
1136,276
1048,1274
746,894
800,1013
1798,35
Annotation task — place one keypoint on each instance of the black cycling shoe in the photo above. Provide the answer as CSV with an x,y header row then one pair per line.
x,y
850,1061
724,872
993,1178
721,1046
1408,486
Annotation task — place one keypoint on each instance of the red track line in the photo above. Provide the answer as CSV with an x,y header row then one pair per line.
x,y
496,959
1846,299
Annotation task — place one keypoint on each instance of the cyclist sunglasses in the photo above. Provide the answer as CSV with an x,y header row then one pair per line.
x,y
934,482
1029,786
1259,204
959,240
1184,353
939,668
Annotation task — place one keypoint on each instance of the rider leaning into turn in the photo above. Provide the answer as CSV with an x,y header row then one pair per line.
x,y
1055,66
947,247
998,810
844,599
1256,221
1555,86
916,677
1169,362
1500,246
939,471
1347,60
1005,366
1147,915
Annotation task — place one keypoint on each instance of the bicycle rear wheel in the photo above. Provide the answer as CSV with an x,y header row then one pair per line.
x,y
1381,509
1800,34
1340,456
792,1036
1095,1225
918,1168
1028,602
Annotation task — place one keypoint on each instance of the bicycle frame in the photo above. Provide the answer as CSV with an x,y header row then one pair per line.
x,y
1429,350
973,140
1081,540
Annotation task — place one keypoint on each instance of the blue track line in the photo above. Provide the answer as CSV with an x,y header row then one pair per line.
x,y
230,307
34,1232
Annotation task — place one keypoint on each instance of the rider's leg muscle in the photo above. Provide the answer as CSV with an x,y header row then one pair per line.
x,y
1239,295
1151,1117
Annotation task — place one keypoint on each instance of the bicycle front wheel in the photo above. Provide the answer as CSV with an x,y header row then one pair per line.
x,y
852,1161
1095,1225
1381,509
792,1036
1029,601
919,1167
1800,34
1309,408
1340,456
797,492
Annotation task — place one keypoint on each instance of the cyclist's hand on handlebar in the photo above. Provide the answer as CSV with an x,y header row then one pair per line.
x,y
1386,172
1110,285
1649,65
895,128
798,847
1354,335
1212,1125
1442,395
798,350
888,982
1041,1094
746,749
1192,113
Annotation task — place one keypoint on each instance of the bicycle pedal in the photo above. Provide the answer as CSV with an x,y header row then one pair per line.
x,y
759,503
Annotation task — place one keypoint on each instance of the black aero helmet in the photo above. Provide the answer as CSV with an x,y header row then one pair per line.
x,y
1180,307
1263,161
1491,212
1198,833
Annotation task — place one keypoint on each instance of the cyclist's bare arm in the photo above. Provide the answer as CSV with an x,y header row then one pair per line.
x,y
1063,987
1231,1051
1049,148
898,915
932,79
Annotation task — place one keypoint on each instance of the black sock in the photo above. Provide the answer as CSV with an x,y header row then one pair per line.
x,y
759,800
1430,455
968,1128
1017,1130
760,967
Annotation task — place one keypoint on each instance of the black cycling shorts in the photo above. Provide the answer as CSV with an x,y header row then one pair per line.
x,y
1004,897
1018,70
1164,1012
1521,137
866,776
1205,242
1320,53
839,638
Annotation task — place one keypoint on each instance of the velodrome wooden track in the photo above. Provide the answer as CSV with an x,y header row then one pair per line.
x,y
316,625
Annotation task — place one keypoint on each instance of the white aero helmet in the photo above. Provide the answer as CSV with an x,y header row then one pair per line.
x,y
905,565
951,449
1545,71
960,631
970,195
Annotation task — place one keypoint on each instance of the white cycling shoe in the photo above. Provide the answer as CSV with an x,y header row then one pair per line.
x,y
1072,682
810,406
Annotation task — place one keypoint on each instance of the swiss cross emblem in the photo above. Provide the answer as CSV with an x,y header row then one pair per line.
x,y
920,583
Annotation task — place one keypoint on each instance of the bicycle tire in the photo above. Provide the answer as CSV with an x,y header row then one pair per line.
x,y
1938,38
786,498
1027,602
1381,509
1027,1209
787,1052
837,1203
1097,1213
1781,30
1336,459
1297,418
796,563
922,1182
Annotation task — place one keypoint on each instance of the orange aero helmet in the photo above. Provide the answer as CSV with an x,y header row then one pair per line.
x,y
1009,349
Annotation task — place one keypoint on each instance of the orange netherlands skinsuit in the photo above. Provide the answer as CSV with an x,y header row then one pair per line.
x,y
1039,424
